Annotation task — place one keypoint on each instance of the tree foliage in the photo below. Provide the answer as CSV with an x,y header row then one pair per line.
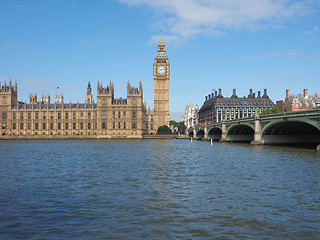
x,y
273,110
164,130
179,125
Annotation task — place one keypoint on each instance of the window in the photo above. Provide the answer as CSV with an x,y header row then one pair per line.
x,y
51,125
44,115
14,115
74,125
67,125
14,125
4,115
66,115
36,116
43,126
104,114
74,115
36,126
21,116
134,125
134,114
4,100
114,125
124,125
21,125
118,125
124,114
119,114
59,115
89,125
81,125
51,115
81,115
104,125
59,125
104,101
89,115
114,114
29,115
29,126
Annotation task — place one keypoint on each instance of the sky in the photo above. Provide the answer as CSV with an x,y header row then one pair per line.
x,y
58,46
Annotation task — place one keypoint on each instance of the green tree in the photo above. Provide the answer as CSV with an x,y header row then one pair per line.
x,y
273,110
317,107
180,125
164,130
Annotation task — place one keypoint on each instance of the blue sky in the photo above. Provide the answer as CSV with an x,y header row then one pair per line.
x,y
210,43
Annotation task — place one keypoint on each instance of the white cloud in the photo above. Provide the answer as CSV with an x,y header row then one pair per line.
x,y
314,30
188,18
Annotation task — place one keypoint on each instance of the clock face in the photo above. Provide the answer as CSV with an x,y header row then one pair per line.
x,y
161,69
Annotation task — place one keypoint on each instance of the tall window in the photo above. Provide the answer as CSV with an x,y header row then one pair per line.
x,y
104,114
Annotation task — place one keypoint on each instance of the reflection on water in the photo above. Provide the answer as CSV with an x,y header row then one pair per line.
x,y
157,189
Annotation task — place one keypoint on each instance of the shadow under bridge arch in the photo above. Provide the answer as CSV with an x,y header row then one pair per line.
x,y
291,132
240,133
214,133
190,133
200,134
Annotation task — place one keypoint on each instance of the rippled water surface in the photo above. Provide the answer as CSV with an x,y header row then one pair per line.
x,y
157,189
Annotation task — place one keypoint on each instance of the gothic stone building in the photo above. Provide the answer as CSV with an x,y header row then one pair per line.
x,y
108,117
216,108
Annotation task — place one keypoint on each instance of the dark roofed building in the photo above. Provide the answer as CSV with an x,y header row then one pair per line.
x,y
216,108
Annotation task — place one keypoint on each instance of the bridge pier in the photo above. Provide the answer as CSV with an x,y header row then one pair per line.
x,y
224,132
205,136
257,135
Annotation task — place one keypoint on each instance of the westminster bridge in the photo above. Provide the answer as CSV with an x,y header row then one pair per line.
x,y
300,127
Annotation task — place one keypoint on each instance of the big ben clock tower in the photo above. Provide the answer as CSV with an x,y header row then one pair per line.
x,y
161,74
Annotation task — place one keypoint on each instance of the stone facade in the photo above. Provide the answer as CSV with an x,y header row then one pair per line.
x,y
107,118
216,108
191,116
300,102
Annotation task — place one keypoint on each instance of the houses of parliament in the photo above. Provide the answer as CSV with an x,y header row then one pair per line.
x,y
106,118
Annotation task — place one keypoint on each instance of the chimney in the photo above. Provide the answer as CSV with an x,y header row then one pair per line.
x,y
305,93
209,96
259,96
215,93
265,95
250,93
212,95
287,93
206,98
234,95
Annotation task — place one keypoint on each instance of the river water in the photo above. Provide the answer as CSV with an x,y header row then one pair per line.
x,y
157,189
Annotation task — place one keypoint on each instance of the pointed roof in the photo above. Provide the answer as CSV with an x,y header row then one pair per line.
x,y
161,42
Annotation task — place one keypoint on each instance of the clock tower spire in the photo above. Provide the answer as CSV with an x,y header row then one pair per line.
x,y
161,74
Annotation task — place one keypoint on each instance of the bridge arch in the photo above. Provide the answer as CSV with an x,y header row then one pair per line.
x,y
200,134
291,132
190,133
214,133
240,133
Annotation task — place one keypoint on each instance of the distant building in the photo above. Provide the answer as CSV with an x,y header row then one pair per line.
x,y
216,108
191,116
301,101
